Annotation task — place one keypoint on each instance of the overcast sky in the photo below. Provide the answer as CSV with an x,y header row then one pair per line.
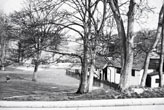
x,y
8,6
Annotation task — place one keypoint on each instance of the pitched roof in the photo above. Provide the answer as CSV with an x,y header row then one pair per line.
x,y
137,65
138,62
101,62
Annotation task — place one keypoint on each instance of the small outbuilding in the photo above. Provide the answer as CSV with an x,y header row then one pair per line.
x,y
152,80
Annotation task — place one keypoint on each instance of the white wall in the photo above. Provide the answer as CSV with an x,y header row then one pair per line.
x,y
135,80
141,73
115,77
153,81
112,75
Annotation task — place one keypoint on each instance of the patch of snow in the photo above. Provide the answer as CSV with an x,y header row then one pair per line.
x,y
138,90
53,87
27,68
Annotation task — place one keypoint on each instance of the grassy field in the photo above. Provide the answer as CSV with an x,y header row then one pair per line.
x,y
54,85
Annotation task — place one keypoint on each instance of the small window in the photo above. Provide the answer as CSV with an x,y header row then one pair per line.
x,y
118,70
133,72
157,81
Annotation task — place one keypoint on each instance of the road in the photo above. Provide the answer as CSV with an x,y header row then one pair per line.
x,y
161,107
113,104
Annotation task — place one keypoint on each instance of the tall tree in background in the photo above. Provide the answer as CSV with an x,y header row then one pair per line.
x,y
158,36
37,32
3,42
5,36
161,80
161,83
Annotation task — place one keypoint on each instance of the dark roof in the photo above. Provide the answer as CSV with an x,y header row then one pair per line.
x,y
138,62
137,65
101,62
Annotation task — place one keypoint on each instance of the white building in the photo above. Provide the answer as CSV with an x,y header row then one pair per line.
x,y
111,73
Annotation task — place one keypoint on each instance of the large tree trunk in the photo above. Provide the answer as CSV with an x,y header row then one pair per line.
x,y
128,61
158,36
161,58
146,66
34,77
121,33
92,70
127,41
84,71
87,33
37,60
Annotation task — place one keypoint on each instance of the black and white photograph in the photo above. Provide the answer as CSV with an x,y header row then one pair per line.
x,y
81,54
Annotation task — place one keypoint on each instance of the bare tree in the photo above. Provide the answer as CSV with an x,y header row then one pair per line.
x,y
5,36
38,34
85,16
127,40
158,36
79,21
161,83
98,25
